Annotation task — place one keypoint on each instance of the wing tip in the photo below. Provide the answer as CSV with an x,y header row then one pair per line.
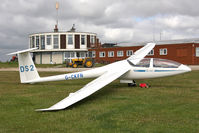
x,y
48,109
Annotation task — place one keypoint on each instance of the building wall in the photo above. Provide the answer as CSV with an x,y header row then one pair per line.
x,y
38,58
46,58
182,53
57,57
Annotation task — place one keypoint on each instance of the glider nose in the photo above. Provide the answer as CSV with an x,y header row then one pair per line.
x,y
184,68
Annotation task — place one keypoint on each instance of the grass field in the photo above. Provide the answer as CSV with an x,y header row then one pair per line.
x,y
171,105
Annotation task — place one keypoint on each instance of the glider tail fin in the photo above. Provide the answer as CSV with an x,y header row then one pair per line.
x,y
27,69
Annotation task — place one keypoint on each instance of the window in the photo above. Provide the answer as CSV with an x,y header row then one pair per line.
x,y
42,42
82,54
33,41
92,39
55,41
83,39
144,63
163,63
70,39
37,41
101,54
163,51
129,52
151,52
48,39
197,51
93,54
110,53
120,53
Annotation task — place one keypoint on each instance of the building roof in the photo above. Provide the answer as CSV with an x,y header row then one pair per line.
x,y
76,32
167,42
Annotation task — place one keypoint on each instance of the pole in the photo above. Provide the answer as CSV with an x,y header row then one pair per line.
x,y
57,8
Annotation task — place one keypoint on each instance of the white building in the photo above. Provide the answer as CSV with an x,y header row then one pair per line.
x,y
57,47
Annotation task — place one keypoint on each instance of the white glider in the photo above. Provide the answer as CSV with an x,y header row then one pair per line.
x,y
134,67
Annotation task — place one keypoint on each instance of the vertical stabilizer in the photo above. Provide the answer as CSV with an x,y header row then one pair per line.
x,y
27,69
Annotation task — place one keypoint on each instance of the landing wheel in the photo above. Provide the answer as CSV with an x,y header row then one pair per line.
x,y
132,84
89,63
75,65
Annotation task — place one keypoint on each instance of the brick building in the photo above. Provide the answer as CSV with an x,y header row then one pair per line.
x,y
184,51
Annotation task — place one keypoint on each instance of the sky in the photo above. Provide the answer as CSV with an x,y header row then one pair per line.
x,y
115,21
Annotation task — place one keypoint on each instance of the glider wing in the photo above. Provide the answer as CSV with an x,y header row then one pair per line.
x,y
141,53
91,87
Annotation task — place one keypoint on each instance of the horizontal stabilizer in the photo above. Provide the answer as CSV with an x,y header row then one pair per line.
x,y
23,51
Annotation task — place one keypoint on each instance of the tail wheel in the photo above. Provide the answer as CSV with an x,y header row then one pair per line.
x,y
75,65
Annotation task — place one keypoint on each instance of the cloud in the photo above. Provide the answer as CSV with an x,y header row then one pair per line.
x,y
112,20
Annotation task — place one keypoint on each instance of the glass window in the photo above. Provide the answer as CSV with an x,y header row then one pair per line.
x,y
83,39
110,53
101,54
120,53
55,41
42,42
67,54
48,39
163,63
92,39
37,41
82,54
163,51
33,42
151,52
70,39
144,63
197,51
129,52
93,54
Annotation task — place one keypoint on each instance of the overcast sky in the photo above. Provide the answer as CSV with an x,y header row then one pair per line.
x,y
113,20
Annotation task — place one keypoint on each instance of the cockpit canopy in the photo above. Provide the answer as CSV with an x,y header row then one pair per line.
x,y
165,63
161,63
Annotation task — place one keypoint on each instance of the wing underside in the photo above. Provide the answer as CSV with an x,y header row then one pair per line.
x,y
91,87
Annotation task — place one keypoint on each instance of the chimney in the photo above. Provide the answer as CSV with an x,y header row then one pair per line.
x,y
56,29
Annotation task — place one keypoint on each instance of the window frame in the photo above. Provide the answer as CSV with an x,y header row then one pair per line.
x,y
48,40
197,51
70,37
104,54
118,53
55,45
93,54
127,52
111,53
163,51
151,53
83,39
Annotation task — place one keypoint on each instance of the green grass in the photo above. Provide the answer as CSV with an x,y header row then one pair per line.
x,y
171,105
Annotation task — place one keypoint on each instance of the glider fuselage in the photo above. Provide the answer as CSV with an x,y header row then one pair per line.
x,y
147,68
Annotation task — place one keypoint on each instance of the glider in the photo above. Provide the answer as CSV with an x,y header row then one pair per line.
x,y
134,67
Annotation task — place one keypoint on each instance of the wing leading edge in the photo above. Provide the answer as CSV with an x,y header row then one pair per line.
x,y
91,87
141,53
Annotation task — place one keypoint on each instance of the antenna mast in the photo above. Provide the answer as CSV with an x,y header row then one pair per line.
x,y
56,25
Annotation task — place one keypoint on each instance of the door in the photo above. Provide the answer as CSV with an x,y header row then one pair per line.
x,y
77,42
63,41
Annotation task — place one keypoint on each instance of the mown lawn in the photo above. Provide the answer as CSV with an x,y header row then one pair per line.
x,y
171,105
